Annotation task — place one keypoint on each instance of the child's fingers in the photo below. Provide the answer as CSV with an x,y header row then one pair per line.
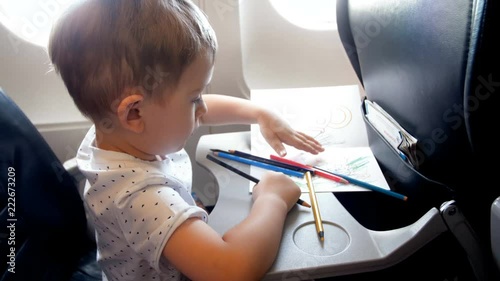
x,y
278,146
306,143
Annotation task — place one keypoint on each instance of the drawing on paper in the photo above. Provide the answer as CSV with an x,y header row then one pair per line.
x,y
332,115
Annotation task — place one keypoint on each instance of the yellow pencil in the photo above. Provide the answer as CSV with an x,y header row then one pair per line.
x,y
314,204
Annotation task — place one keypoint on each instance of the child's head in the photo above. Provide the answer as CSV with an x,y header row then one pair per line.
x,y
102,48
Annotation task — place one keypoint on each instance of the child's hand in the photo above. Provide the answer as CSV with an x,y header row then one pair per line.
x,y
276,132
278,186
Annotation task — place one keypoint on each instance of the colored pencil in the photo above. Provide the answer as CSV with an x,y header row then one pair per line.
x,y
317,172
231,168
314,201
259,164
271,161
247,176
368,185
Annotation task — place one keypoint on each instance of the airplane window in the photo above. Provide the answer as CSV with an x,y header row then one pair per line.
x,y
32,20
309,14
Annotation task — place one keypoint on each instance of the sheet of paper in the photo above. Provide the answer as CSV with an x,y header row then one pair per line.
x,y
333,116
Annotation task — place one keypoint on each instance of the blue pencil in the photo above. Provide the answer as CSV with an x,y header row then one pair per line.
x,y
368,185
259,164
247,176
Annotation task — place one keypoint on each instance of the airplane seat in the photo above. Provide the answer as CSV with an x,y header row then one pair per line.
x,y
43,234
433,66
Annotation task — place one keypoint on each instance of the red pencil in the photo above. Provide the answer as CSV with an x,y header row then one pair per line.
x,y
316,171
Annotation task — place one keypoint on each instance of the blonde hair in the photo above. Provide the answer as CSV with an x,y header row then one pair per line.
x,y
101,48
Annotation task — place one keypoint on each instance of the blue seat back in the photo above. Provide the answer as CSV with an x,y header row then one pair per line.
x,y
434,67
43,224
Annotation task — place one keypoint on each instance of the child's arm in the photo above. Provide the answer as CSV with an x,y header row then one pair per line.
x,y
224,110
245,252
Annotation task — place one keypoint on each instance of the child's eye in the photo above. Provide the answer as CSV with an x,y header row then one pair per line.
x,y
198,100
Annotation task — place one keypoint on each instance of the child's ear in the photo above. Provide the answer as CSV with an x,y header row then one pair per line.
x,y
129,113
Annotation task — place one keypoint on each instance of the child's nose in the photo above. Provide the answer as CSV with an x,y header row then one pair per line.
x,y
201,109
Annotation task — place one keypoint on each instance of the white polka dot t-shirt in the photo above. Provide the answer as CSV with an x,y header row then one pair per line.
x,y
135,206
